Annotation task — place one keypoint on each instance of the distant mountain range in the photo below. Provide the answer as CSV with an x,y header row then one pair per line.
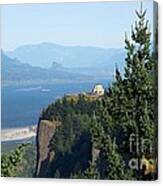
x,y
53,62
15,72
44,54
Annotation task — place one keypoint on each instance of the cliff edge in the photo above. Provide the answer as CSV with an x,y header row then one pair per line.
x,y
45,132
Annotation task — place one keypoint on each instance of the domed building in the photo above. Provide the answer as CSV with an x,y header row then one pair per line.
x,y
98,90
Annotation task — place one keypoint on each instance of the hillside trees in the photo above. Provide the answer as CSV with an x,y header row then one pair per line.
x,y
128,106
107,124
19,162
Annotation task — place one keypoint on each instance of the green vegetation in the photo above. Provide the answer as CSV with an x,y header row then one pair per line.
x,y
19,162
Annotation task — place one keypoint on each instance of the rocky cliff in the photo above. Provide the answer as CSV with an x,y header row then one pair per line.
x,y
45,132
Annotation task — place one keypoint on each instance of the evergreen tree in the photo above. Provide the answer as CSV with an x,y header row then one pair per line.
x,y
91,172
128,107
138,83
10,162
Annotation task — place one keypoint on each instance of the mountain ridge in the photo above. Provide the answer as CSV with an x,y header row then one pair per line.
x,y
43,54
13,71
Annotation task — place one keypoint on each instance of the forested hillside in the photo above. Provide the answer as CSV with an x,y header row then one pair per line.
x,y
113,136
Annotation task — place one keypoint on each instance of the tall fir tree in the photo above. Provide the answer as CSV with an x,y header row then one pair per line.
x,y
129,105
138,82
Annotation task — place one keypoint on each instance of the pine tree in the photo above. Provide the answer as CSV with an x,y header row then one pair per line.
x,y
138,84
97,132
91,172
129,102
11,161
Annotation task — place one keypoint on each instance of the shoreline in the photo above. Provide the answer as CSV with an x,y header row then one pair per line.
x,y
18,133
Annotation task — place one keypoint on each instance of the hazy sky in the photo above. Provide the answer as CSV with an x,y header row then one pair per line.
x,y
95,24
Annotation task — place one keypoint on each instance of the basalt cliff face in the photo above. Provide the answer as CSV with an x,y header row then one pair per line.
x,y
45,132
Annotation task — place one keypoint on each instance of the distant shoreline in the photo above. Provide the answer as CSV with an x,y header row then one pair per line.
x,y
18,133
52,82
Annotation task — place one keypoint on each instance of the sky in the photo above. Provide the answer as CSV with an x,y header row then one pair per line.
x,y
100,24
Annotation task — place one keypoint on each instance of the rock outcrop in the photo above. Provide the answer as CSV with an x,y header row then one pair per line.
x,y
45,132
